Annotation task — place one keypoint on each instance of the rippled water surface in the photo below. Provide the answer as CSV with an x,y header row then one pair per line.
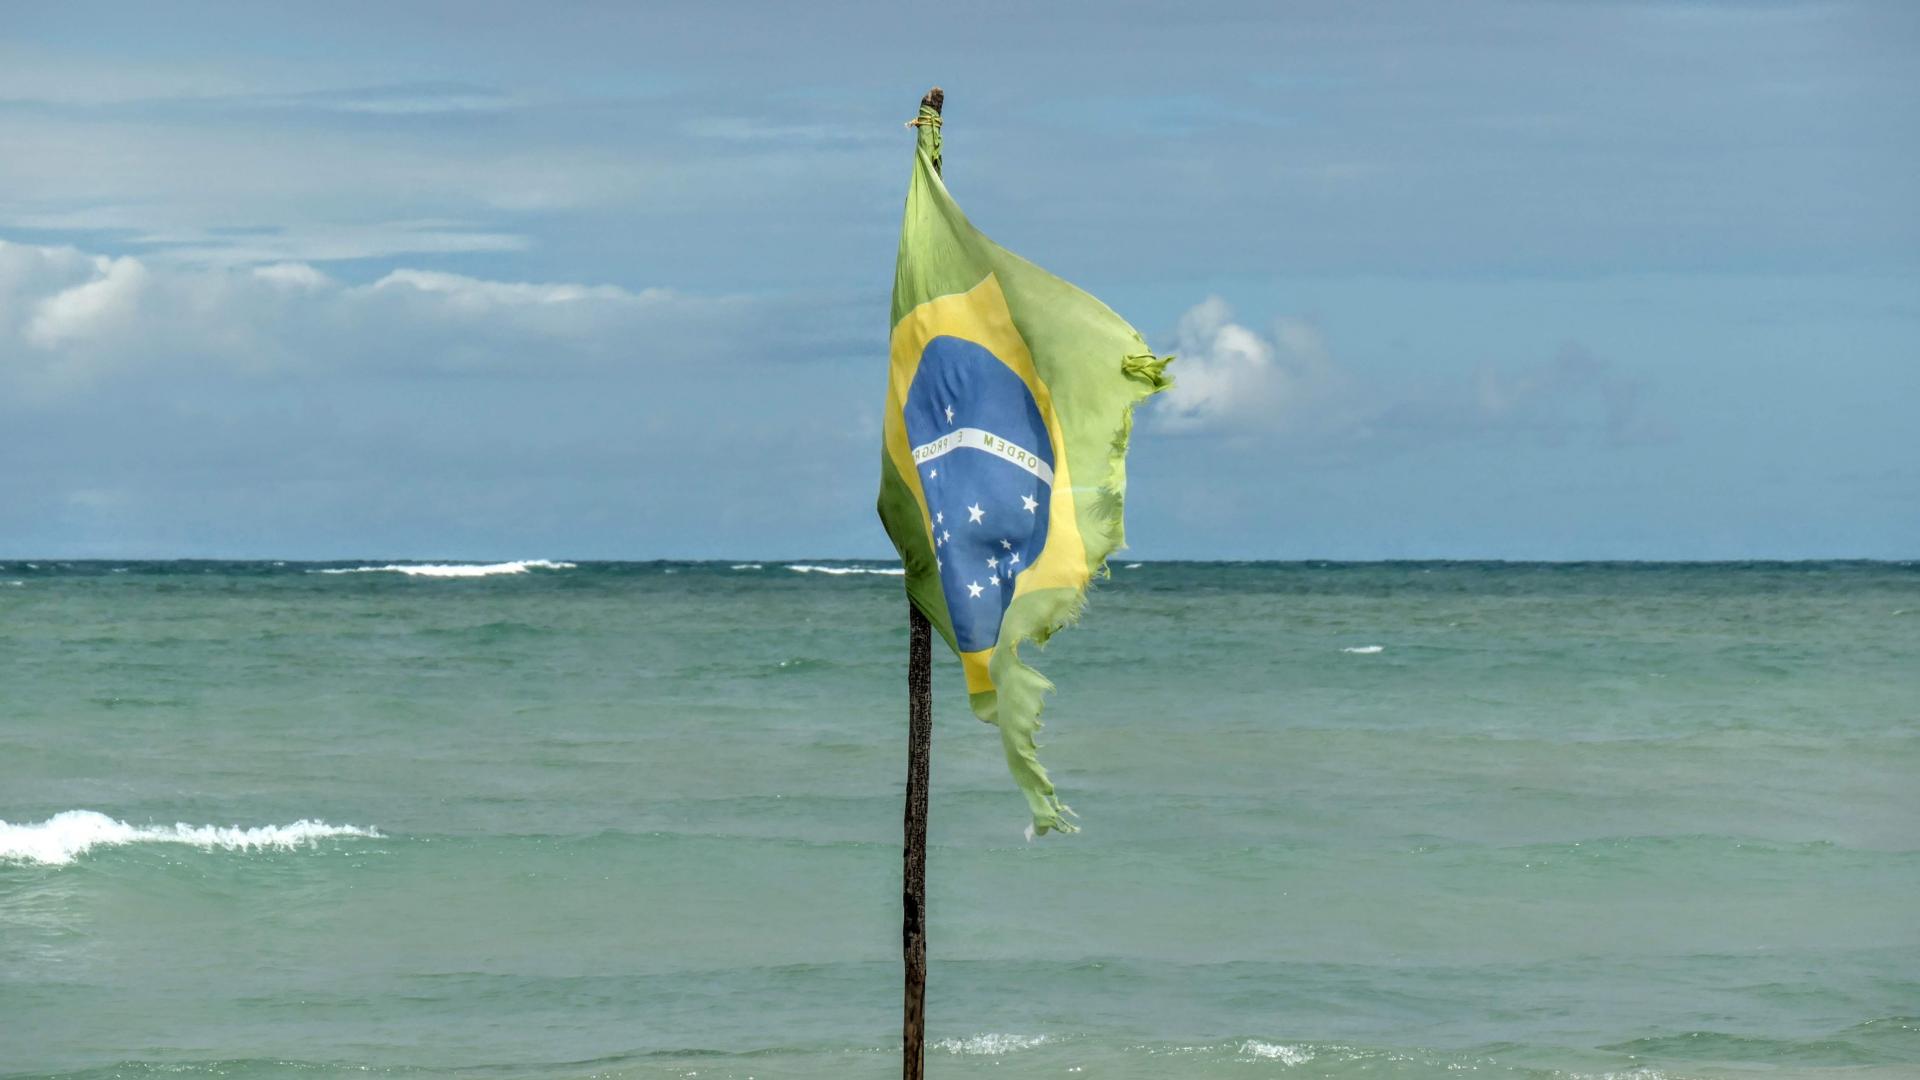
x,y
549,820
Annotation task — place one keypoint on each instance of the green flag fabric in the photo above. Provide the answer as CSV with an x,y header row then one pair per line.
x,y
1010,399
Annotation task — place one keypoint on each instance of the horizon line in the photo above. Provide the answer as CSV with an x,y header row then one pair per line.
x,y
765,560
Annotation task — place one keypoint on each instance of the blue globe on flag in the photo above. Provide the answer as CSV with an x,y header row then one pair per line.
x,y
986,464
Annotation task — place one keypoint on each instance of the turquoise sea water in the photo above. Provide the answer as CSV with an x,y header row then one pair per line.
x,y
642,820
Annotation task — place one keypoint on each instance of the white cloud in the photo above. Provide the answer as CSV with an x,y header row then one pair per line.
x,y
69,320
1230,378
90,309
1236,382
74,77
293,273
155,407
266,190
324,242
476,294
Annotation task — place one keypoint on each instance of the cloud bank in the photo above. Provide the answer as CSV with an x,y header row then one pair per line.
x,y
154,408
70,320
1236,382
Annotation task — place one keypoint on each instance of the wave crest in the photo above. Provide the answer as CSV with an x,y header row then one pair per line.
x,y
990,1043
807,568
1281,1052
453,570
67,835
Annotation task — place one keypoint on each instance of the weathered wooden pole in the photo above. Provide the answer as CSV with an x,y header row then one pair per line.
x,y
913,924
913,881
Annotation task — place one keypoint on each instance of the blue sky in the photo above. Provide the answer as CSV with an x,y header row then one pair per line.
x,y
1548,280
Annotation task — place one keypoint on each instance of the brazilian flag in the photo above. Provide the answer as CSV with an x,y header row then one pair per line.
x,y
1010,397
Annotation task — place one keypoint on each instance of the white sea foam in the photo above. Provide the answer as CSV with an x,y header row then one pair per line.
x,y
67,835
1364,650
16,583
802,568
1281,1052
1134,565
746,566
454,570
990,1044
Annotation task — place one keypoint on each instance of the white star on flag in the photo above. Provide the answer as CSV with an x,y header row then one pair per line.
x,y
974,514
939,518
1010,562
973,589
1008,544
991,563
933,472
1027,503
945,536
949,414
993,581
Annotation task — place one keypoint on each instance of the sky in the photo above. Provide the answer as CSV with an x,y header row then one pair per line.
x,y
1612,280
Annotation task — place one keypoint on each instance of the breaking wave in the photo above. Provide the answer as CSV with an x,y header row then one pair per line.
x,y
990,1044
1281,1052
803,568
67,835
1364,650
453,570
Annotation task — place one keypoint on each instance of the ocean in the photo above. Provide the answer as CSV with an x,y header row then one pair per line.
x,y
551,821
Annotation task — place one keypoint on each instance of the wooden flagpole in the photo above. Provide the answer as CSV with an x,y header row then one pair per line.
x,y
913,923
